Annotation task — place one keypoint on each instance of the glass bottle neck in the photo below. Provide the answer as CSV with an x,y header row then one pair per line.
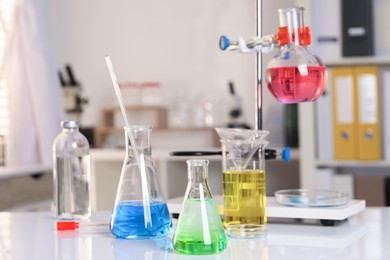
x,y
70,130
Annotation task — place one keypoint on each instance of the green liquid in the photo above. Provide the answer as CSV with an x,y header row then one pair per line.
x,y
197,247
199,230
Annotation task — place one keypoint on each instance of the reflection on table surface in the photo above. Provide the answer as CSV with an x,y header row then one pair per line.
x,y
33,236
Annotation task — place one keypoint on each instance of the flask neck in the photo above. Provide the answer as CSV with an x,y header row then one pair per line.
x,y
145,151
197,171
140,135
292,28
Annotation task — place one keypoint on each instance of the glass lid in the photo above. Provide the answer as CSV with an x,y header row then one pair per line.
x,y
311,198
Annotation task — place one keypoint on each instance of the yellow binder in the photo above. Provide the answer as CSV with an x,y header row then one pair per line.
x,y
367,107
343,102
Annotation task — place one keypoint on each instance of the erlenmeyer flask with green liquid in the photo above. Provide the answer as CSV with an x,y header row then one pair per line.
x,y
199,229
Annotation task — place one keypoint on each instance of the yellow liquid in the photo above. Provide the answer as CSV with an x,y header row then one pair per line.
x,y
244,197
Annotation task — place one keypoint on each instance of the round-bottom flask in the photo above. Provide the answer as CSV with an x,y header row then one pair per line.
x,y
295,74
199,229
140,210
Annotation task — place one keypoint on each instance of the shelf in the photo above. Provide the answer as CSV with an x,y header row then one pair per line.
x,y
348,61
352,164
154,115
111,130
111,120
110,137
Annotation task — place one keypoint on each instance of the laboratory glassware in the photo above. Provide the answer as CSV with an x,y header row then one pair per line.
x,y
295,74
311,198
71,173
244,181
251,248
199,229
140,209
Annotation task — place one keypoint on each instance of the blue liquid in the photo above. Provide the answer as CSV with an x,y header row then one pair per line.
x,y
128,220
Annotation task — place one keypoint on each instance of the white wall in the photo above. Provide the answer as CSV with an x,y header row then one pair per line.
x,y
174,42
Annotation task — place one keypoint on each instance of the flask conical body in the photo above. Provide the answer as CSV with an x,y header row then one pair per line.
x,y
140,209
199,229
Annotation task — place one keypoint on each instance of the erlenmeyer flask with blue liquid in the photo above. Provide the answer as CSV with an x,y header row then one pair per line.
x,y
140,210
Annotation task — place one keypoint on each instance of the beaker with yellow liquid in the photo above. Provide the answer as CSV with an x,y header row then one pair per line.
x,y
244,182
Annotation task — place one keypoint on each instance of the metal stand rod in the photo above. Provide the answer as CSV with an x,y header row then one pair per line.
x,y
259,89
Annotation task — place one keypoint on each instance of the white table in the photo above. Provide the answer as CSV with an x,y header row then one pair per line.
x,y
32,236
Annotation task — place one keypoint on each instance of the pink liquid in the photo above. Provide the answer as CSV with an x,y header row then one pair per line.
x,y
291,85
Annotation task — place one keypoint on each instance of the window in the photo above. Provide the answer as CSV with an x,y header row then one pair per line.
x,y
6,15
6,11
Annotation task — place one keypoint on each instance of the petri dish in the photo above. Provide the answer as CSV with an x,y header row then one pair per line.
x,y
311,198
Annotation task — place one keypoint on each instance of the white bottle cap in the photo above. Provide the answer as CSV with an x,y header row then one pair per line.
x,y
71,124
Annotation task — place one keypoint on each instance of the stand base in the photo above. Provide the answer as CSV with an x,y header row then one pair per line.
x,y
327,215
